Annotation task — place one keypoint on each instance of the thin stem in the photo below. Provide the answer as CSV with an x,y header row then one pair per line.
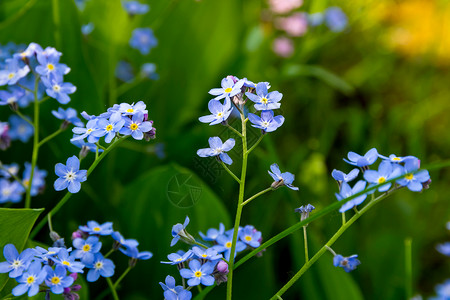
x,y
230,172
201,245
239,208
234,130
256,195
49,219
68,194
331,250
44,99
199,288
255,144
13,176
327,246
109,253
111,287
305,238
34,155
116,284
24,87
128,85
100,146
51,136
343,218
24,117
408,268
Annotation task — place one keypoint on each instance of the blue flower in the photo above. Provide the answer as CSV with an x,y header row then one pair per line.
x,y
100,266
69,115
209,254
43,255
20,129
108,128
362,161
178,231
443,290
124,71
335,19
218,149
346,191
177,258
347,263
212,233
57,279
250,236
148,70
38,179
49,65
6,170
394,158
86,249
125,109
10,191
267,122
133,252
5,139
80,143
136,126
224,245
82,132
198,273
316,19
263,99
13,72
29,52
386,171
96,228
68,262
173,292
143,40
70,175
135,7
229,88
305,210
12,97
342,177
87,29
413,181
122,241
220,112
281,179
57,89
15,263
444,248
30,280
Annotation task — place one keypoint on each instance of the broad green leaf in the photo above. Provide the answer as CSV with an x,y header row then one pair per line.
x,y
15,226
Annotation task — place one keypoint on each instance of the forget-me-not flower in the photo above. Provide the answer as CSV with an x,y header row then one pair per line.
x,y
347,263
122,241
86,132
198,273
342,177
394,158
346,191
57,279
281,179
386,171
38,179
20,129
10,191
136,126
304,211
219,112
229,88
263,99
70,175
267,122
213,233
30,280
179,232
13,72
218,149
12,96
209,254
362,161
93,227
250,236
86,249
224,243
135,7
69,115
335,19
57,89
133,252
108,128
68,262
15,263
444,248
413,181
174,292
143,40
100,266
178,258
49,64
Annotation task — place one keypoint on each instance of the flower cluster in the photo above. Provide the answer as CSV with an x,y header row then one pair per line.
x,y
55,270
404,170
12,187
205,263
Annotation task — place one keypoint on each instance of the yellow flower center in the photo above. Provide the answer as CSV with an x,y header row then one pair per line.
x,y
198,274
396,159
178,259
134,126
50,67
381,180
228,90
130,110
10,75
219,115
228,245
56,280
204,255
30,279
248,238
26,182
96,229
89,130
264,100
409,176
86,248
66,263
109,127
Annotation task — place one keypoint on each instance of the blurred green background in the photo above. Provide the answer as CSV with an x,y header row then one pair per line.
x,y
383,82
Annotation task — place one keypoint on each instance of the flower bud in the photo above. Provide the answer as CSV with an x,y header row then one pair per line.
x,y
74,276
222,267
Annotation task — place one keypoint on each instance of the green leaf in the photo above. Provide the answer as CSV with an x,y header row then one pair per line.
x,y
15,226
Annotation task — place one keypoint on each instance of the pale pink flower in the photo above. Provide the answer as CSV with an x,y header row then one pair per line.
x,y
294,25
284,6
283,46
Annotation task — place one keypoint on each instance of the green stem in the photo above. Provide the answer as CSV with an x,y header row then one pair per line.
x,y
201,245
49,220
116,284
51,136
68,194
408,268
343,218
34,155
109,253
305,238
111,287
239,208
333,239
199,288
230,172
13,176
24,87
234,130
24,117
256,195
255,144
56,23
128,86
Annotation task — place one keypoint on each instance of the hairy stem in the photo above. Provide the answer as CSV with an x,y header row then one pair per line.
x,y
256,196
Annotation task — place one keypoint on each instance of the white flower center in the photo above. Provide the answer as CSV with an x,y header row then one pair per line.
x,y
11,100
265,124
56,88
16,264
217,151
70,176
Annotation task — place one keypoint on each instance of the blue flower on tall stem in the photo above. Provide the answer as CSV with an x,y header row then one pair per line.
x,y
263,99
212,233
95,228
229,88
342,177
394,158
335,19
68,262
100,266
15,263
57,279
281,179
122,241
86,249
346,191
83,132
38,179
69,115
10,191
133,252
57,89
135,7
49,64
136,126
250,236
219,112
209,254
13,72
267,122
20,129
70,175
173,292
11,97
218,149
178,258
413,181
386,171
143,40
108,128
347,263
224,243
198,273
179,232
362,161
30,280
